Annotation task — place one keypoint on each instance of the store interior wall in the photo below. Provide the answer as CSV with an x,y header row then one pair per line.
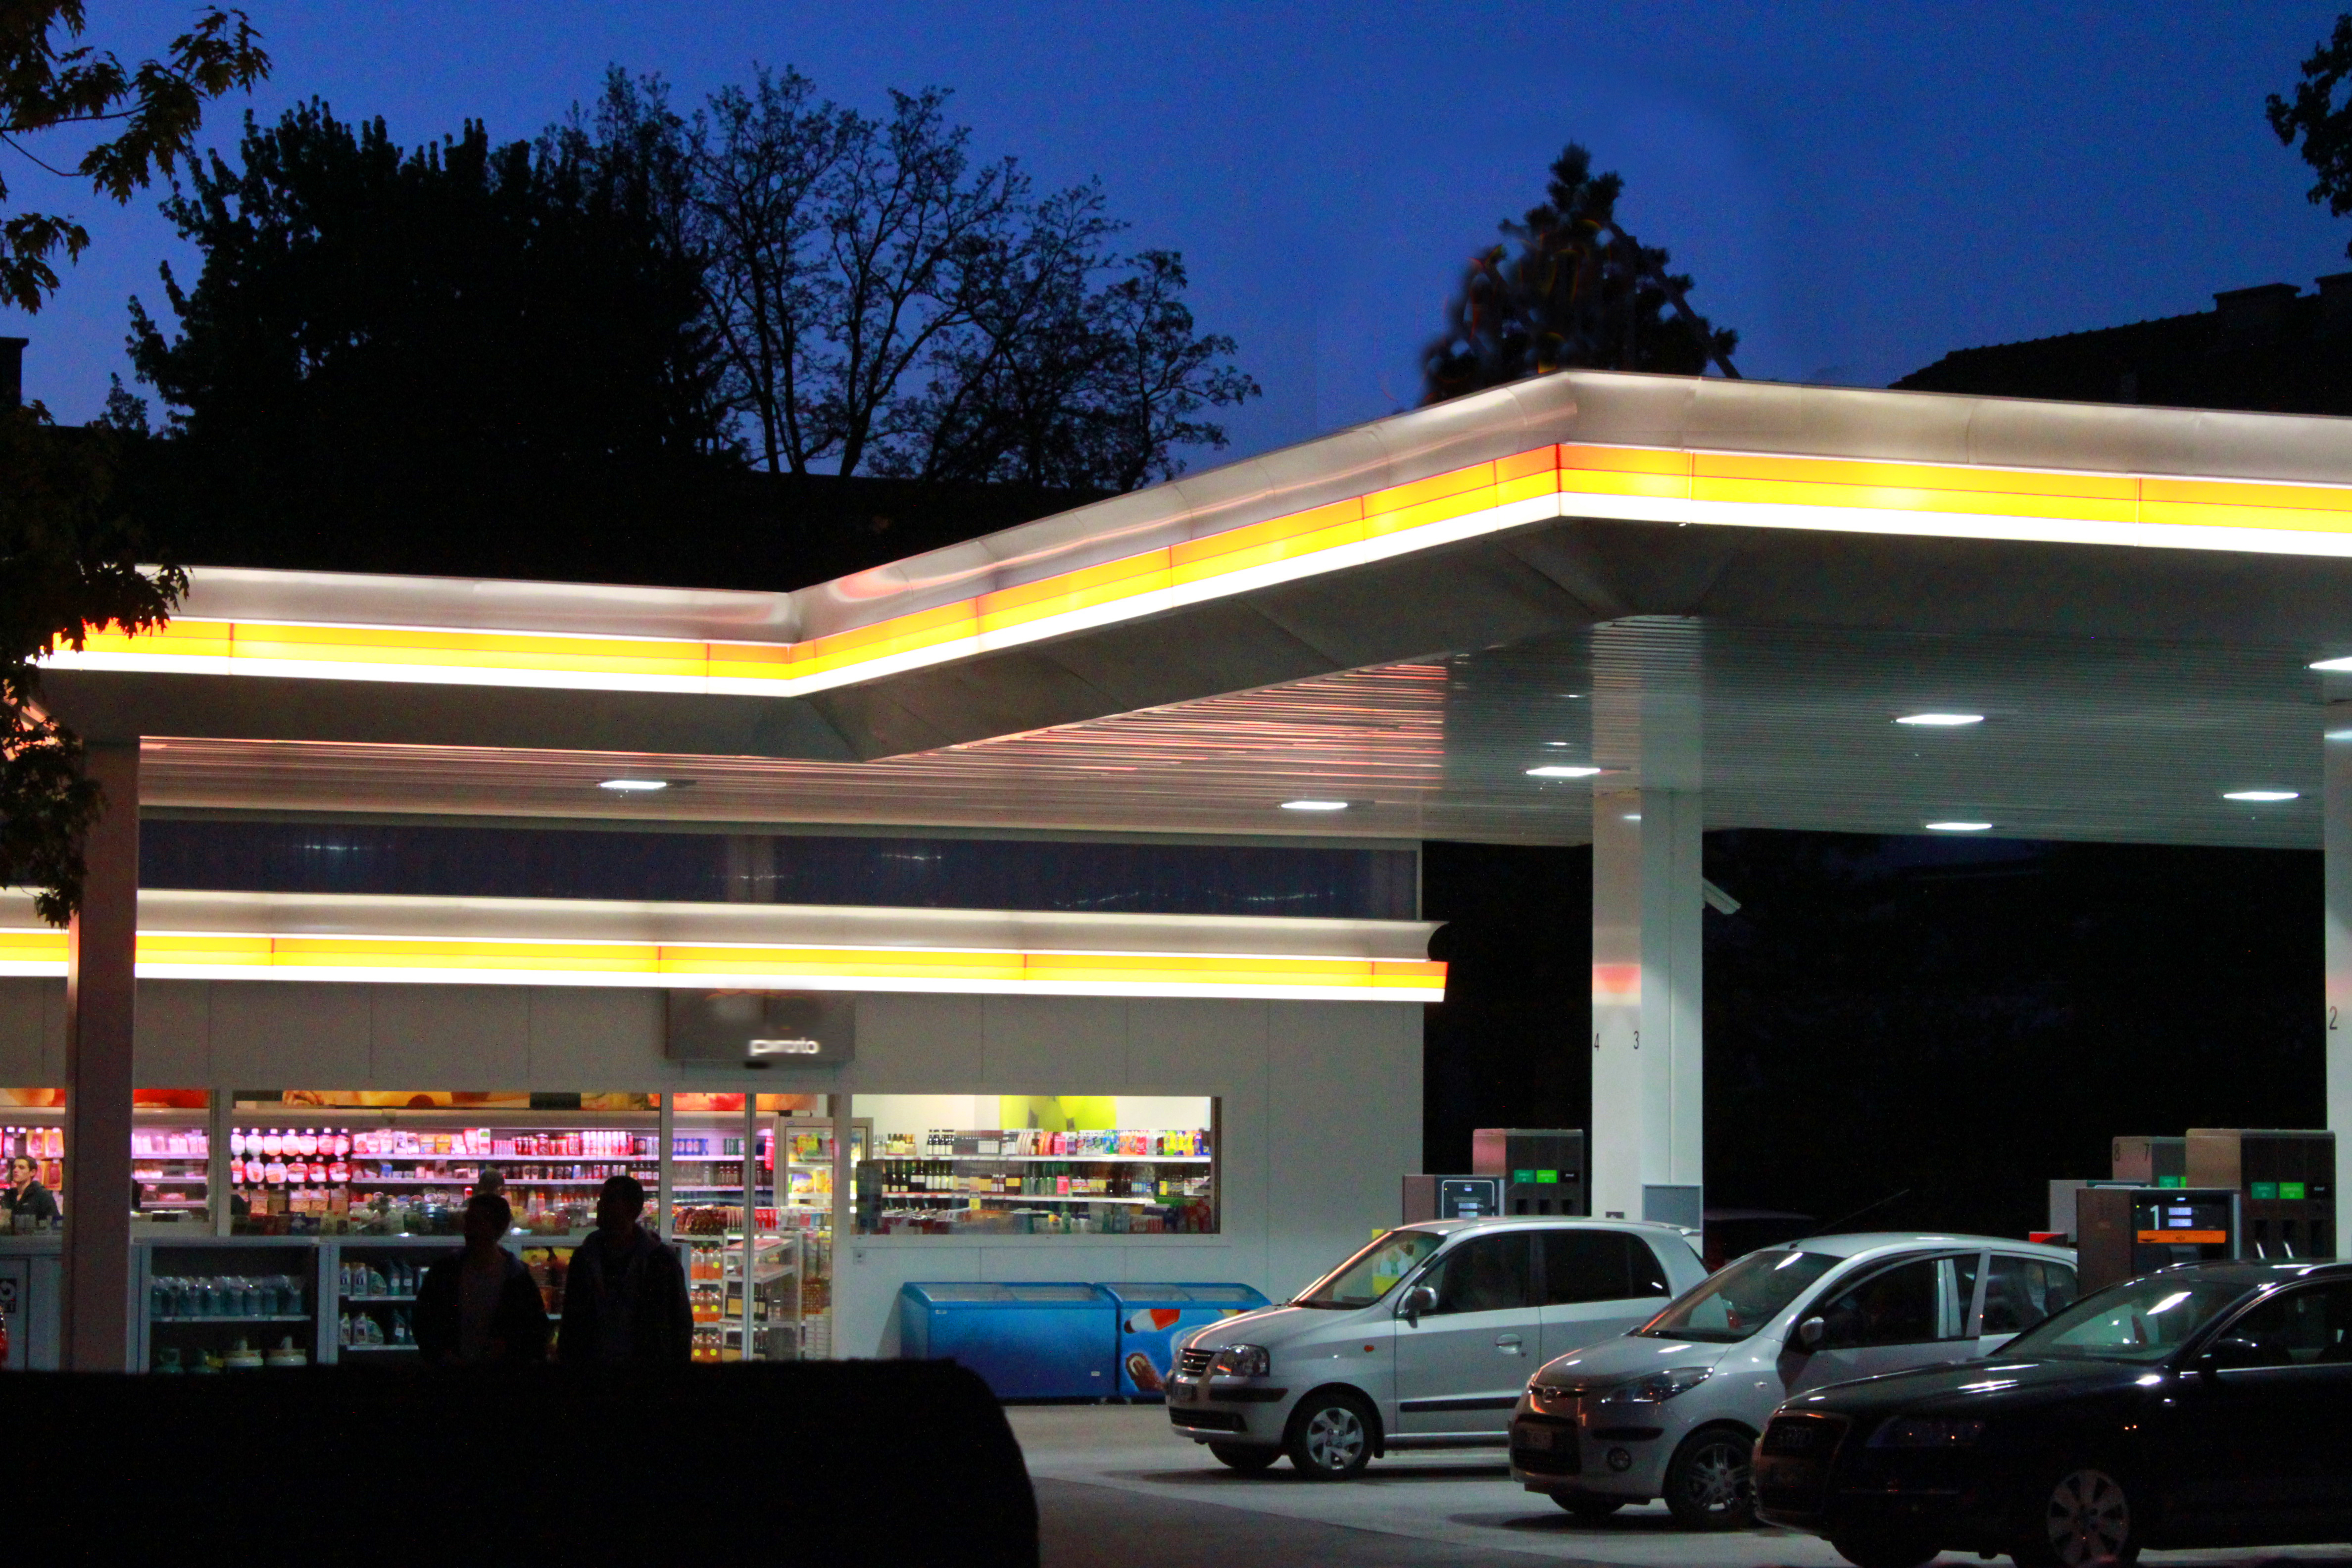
x,y
1319,1103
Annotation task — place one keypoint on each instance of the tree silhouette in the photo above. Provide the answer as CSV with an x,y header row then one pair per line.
x,y
1571,287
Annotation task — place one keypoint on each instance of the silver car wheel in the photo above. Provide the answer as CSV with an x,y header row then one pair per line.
x,y
1334,1437
1719,1478
2088,1518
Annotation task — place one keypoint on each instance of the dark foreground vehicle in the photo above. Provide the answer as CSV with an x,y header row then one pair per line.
x,y
2205,1405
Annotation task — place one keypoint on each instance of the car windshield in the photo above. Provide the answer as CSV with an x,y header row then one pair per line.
x,y
1373,1272
1734,1302
2139,1320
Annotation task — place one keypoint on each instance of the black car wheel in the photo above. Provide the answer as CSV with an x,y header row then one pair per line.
x,y
1242,1456
1590,1507
2083,1516
1883,1551
1330,1437
1707,1485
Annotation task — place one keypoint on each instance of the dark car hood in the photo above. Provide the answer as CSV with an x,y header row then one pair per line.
x,y
1991,1384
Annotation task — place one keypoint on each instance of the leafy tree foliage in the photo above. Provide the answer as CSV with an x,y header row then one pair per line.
x,y
884,303
49,81
458,336
2324,124
69,556
1569,288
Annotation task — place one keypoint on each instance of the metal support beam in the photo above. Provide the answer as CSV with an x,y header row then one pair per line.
x,y
101,990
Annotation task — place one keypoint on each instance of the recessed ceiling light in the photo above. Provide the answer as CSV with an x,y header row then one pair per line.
x,y
1632,816
633,786
2262,794
1314,806
2334,664
1559,742
1958,826
1941,721
1562,773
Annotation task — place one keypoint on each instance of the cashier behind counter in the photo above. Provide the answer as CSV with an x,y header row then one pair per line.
x,y
29,1203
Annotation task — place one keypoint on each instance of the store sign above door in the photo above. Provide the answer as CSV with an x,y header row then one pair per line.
x,y
761,1029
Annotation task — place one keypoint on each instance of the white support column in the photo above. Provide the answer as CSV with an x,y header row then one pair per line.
x,y
1648,1131
1648,1073
2336,840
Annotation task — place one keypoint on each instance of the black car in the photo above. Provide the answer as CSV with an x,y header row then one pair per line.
x,y
2208,1404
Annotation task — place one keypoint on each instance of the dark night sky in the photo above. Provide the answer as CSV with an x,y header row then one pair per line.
x,y
1956,1020
1857,187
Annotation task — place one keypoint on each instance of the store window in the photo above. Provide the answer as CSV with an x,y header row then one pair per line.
x,y
171,1149
741,1185
968,1164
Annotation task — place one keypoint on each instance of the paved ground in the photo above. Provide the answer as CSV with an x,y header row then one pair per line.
x,y
1116,1488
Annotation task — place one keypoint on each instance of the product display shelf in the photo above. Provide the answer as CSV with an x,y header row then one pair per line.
x,y
395,1163
1066,1158
375,1280
177,1279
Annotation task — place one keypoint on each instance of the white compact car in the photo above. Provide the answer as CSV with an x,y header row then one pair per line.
x,y
1673,1409
1423,1340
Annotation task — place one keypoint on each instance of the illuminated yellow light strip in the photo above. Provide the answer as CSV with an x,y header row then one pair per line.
x,y
1633,483
415,959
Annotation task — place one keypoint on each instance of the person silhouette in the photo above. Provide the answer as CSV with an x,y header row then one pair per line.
x,y
625,1300
481,1308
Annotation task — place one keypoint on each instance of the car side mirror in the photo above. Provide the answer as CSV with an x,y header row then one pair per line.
x,y
2223,1356
1809,1336
1414,1302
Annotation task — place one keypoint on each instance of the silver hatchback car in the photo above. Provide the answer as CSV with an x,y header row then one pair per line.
x,y
1673,1409
1424,1339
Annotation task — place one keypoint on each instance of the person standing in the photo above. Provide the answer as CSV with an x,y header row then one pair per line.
x,y
26,1200
481,1308
625,1298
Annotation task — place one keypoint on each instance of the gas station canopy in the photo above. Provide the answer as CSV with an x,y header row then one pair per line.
x,y
1727,586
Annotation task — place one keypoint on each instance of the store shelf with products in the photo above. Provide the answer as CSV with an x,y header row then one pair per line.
x,y
212,1308
1139,1171
390,1172
375,1286
170,1149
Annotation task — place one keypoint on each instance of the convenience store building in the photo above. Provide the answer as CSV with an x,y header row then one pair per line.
x,y
1590,608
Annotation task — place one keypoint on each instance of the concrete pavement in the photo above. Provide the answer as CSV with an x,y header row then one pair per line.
x,y
1117,1488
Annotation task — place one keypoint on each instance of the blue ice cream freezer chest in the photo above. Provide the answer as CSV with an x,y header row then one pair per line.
x,y
1152,1316
1026,1341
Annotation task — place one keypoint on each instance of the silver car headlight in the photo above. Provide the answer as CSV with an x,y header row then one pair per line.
x,y
1240,1360
1657,1387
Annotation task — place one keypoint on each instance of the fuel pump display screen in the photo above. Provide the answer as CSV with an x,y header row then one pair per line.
x,y
2177,1228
